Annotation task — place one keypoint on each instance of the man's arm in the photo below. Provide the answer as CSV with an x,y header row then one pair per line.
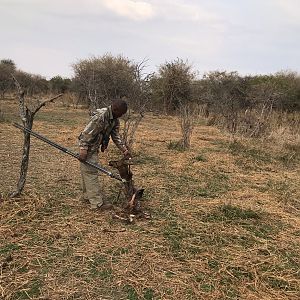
x,y
115,135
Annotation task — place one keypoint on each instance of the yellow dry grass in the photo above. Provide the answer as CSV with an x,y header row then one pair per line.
x,y
225,218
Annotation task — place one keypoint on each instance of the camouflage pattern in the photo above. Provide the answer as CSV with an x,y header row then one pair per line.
x,y
102,124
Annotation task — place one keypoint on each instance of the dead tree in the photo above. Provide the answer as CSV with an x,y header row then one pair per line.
x,y
131,123
187,125
139,99
265,96
188,113
27,117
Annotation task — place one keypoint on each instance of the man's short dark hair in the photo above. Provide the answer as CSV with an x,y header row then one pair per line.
x,y
120,104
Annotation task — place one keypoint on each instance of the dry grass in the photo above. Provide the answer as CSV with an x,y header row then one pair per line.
x,y
225,218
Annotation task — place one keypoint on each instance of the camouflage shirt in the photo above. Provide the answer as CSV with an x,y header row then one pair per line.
x,y
102,124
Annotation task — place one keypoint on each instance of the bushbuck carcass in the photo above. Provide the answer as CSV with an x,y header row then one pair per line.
x,y
132,194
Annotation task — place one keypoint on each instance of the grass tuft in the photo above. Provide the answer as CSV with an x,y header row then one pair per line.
x,y
176,145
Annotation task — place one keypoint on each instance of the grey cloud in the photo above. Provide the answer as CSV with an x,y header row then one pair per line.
x,y
249,36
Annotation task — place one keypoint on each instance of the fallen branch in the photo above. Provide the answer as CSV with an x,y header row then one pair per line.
x,y
114,230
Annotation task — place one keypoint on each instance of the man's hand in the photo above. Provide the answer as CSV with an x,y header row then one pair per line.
x,y
127,154
83,154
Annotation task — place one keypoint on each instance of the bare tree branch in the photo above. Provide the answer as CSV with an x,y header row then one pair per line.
x,y
41,104
21,99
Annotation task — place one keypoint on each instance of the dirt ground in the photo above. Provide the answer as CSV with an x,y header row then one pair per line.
x,y
225,217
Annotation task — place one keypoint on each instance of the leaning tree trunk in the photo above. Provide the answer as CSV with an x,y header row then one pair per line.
x,y
25,156
27,117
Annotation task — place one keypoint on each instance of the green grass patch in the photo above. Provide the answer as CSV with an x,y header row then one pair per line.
x,y
230,213
207,287
117,253
121,251
170,274
215,185
131,293
285,191
3,118
30,290
199,277
288,159
98,260
35,238
211,240
240,273
213,264
58,117
66,210
174,234
279,284
264,231
245,241
148,294
9,248
142,158
221,144
215,238
297,233
257,155
291,257
200,157
250,220
176,145
98,270
291,155
231,293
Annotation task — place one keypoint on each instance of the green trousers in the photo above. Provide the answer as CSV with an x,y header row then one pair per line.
x,y
90,183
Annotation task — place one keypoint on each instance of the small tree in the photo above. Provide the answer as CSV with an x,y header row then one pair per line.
x,y
174,82
7,67
288,85
225,94
59,84
140,98
188,115
27,116
173,86
104,78
267,93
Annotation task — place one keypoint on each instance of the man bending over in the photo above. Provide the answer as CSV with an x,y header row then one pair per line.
x,y
103,124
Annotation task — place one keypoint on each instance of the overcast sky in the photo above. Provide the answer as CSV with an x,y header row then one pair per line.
x,y
248,36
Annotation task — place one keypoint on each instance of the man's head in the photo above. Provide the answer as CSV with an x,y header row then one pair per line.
x,y
119,108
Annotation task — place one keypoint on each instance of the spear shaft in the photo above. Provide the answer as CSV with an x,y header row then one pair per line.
x,y
67,151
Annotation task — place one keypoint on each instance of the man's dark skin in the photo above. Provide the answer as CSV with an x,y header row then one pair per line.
x,y
117,111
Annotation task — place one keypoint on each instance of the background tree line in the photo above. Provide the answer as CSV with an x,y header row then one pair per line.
x,y
33,84
97,80
242,104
